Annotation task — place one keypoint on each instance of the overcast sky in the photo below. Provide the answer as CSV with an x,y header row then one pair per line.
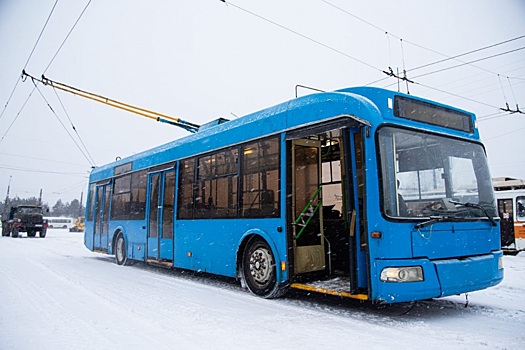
x,y
200,60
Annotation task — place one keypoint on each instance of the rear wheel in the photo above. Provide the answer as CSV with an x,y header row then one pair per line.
x,y
31,233
259,272
42,233
120,251
5,230
14,232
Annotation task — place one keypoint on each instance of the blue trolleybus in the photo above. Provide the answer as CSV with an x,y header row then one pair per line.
x,y
363,193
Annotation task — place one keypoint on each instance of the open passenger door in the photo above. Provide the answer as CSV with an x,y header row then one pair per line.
x,y
308,233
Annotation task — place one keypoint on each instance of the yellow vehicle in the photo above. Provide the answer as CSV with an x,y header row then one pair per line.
x,y
78,226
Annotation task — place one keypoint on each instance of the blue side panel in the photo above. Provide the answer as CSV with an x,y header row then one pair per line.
x,y
465,275
211,245
166,249
137,251
88,235
134,235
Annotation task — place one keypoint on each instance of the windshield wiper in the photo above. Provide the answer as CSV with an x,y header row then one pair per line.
x,y
477,206
432,221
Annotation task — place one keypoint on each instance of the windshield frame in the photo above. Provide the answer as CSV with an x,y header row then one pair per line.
x,y
421,155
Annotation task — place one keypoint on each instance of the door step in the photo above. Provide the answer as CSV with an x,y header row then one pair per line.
x,y
339,286
161,263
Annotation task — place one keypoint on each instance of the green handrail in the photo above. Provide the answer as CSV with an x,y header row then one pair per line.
x,y
309,211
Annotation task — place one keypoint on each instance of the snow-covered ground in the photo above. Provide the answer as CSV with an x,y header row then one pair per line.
x,y
55,294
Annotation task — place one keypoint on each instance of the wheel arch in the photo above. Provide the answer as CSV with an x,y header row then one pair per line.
x,y
119,230
243,242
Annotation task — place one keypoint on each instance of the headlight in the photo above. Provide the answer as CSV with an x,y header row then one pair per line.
x,y
402,274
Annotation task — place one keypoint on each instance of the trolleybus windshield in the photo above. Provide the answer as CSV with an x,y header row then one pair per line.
x,y
426,175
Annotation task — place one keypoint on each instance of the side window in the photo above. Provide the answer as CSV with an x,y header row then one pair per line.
x,y
217,179
120,205
186,189
91,201
260,178
520,208
138,195
209,185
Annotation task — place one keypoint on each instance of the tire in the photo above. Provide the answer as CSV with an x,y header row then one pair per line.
x,y
5,231
14,232
42,233
259,271
31,233
121,255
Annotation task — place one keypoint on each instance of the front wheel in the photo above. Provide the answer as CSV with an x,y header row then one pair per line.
x,y
120,251
258,268
42,233
5,231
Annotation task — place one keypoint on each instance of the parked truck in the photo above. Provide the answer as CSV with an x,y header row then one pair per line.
x,y
78,226
24,218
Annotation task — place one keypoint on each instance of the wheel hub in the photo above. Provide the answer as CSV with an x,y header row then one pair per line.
x,y
260,265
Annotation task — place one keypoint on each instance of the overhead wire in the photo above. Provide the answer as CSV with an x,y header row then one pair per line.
x,y
439,61
512,90
504,134
456,95
61,123
67,36
469,62
69,188
401,39
42,171
467,53
74,128
302,35
420,46
28,59
88,157
17,115
42,159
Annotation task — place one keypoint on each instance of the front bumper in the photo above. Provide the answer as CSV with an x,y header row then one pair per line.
x,y
441,278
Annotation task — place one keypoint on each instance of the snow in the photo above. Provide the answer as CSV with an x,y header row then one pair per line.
x,y
55,294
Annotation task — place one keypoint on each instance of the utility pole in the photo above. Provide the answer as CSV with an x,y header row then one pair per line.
x,y
80,204
6,197
8,187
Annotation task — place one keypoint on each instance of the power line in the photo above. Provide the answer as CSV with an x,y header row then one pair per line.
x,y
43,159
67,36
61,123
455,95
74,128
302,35
467,53
71,187
492,116
17,115
420,46
31,54
470,62
41,32
505,134
42,171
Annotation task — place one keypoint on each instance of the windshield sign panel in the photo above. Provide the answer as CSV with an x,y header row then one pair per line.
x,y
426,175
425,112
